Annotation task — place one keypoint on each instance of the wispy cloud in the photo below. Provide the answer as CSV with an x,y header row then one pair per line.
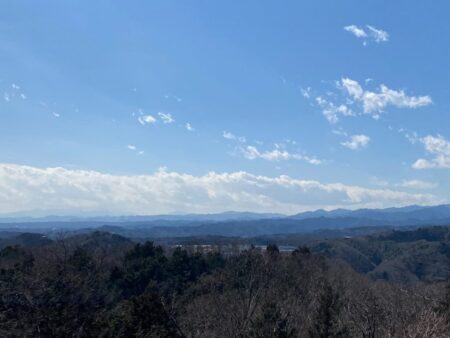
x,y
437,146
24,188
411,136
171,96
374,103
379,181
252,153
189,127
146,119
357,142
417,184
332,111
230,136
356,31
378,35
132,147
166,117
306,92
371,33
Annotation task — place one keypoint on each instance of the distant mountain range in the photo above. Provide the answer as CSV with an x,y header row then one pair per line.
x,y
218,217
239,224
410,213
413,212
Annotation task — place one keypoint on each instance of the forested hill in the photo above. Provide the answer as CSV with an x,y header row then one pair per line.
x,y
400,256
99,284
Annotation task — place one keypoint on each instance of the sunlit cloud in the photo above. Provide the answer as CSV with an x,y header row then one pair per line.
x,y
356,142
439,148
252,153
368,33
25,188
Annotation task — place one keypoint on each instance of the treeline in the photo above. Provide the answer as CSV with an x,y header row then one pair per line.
x,y
103,285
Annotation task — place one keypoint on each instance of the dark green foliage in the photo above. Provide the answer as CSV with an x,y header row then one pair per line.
x,y
143,264
272,250
270,323
143,316
326,322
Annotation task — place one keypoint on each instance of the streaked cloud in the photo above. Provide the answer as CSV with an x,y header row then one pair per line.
x,y
166,117
252,153
356,31
378,35
230,136
24,188
417,184
131,147
146,119
439,148
357,142
368,33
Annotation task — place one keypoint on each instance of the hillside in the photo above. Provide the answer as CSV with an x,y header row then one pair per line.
x,y
399,256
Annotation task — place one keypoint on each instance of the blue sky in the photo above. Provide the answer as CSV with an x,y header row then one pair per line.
x,y
200,106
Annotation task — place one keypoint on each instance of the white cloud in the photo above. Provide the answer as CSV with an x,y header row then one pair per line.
x,y
356,31
146,119
417,184
332,111
131,147
339,132
357,142
56,114
25,188
23,96
166,117
7,97
230,136
252,153
189,127
140,152
375,34
14,86
374,103
378,35
437,146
